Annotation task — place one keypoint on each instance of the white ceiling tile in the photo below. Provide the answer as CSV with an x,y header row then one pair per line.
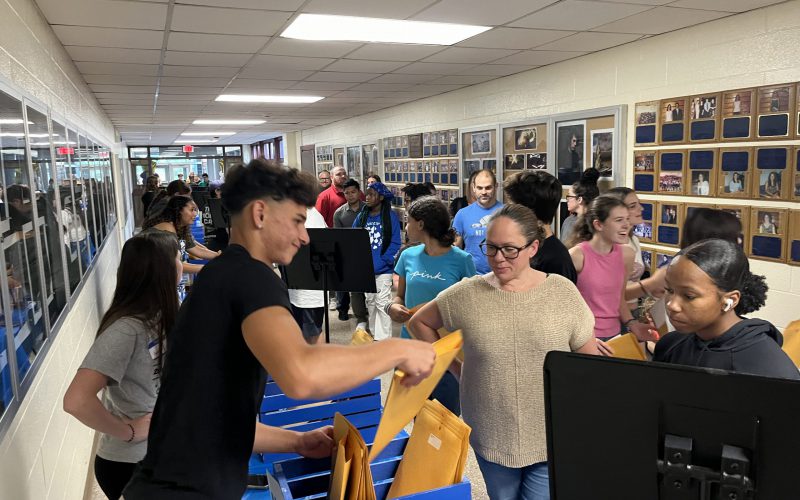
x,y
204,42
334,76
362,66
401,78
260,84
111,55
438,89
513,38
211,58
578,15
384,9
131,89
209,91
589,42
274,74
463,79
661,20
121,79
109,37
105,13
309,48
279,63
469,55
200,71
183,81
724,5
424,68
284,5
381,87
496,69
394,52
480,12
322,85
539,57
221,20
98,68
640,2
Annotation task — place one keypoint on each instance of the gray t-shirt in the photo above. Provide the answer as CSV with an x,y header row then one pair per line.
x,y
121,353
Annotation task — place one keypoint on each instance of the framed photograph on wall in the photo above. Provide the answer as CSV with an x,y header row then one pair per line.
x,y
735,172
704,112
742,212
644,231
525,139
663,259
569,151
644,171
702,172
536,161
669,217
481,143
768,233
796,174
673,115
646,123
671,172
770,172
793,244
737,114
602,152
647,260
775,111
514,162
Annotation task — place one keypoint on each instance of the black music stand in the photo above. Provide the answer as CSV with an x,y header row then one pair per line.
x,y
336,259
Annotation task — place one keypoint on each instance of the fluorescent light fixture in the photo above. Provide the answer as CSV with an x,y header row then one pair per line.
x,y
12,121
228,122
370,29
20,134
281,99
193,141
210,134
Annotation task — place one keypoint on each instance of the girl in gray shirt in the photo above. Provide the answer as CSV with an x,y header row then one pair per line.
x,y
126,358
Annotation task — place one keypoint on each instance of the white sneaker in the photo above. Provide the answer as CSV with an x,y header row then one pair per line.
x,y
332,305
361,326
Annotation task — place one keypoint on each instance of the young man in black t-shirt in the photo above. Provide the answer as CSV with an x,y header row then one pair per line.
x,y
236,323
541,192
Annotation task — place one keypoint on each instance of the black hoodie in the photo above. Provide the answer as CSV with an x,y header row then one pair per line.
x,y
751,346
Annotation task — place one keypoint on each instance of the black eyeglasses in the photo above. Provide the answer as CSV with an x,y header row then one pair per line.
x,y
508,251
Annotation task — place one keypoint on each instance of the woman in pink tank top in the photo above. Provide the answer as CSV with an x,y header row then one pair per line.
x,y
604,262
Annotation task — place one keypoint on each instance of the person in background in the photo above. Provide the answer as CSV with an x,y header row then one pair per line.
x,y
412,191
235,326
180,177
161,198
373,177
204,181
709,287
324,178
579,197
308,306
463,201
344,217
383,227
470,222
332,198
427,268
628,197
151,188
217,238
541,192
127,357
603,262
510,319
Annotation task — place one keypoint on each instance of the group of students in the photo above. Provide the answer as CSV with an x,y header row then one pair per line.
x,y
191,380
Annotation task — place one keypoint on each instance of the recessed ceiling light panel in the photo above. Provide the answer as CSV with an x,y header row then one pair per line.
x,y
285,99
228,122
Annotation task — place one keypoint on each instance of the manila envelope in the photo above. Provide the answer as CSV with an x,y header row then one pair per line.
x,y
351,477
441,331
436,453
791,341
627,347
403,403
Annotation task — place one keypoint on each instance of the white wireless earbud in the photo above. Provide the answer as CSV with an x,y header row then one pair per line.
x,y
728,304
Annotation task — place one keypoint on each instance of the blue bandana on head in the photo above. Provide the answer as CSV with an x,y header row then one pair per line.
x,y
382,190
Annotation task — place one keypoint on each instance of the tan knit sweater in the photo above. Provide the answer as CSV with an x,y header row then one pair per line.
x,y
506,337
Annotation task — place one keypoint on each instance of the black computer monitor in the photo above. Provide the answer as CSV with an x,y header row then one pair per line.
x,y
619,429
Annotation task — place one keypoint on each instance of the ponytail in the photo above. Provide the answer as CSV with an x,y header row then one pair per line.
x,y
753,294
599,210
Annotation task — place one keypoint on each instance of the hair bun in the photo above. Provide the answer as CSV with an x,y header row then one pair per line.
x,y
753,294
590,176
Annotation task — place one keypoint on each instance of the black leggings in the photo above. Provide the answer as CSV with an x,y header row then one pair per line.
x,y
112,476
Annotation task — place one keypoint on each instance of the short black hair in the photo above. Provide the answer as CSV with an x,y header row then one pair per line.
x,y
351,183
204,175
415,190
537,190
267,179
705,223
375,176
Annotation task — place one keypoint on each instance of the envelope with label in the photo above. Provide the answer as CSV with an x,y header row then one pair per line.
x,y
403,403
351,477
436,453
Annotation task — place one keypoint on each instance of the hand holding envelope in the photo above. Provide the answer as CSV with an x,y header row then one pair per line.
x,y
351,477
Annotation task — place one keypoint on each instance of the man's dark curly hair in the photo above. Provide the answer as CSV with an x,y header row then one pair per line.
x,y
266,179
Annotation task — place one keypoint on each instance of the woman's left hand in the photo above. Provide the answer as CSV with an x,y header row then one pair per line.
x,y
604,348
644,331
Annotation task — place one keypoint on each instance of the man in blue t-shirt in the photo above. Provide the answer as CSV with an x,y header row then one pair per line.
x,y
470,222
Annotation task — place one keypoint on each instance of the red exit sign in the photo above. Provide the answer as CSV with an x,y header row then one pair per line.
x,y
65,151
188,149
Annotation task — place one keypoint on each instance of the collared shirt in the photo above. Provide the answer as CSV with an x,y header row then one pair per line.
x,y
328,201
344,216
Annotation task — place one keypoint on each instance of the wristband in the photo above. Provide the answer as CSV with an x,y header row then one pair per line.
x,y
133,434
388,306
641,285
625,324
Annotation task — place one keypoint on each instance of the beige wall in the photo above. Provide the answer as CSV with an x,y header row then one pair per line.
x,y
45,453
751,49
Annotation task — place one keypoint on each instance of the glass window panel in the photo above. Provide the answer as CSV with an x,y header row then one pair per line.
x,y
48,219
233,151
98,197
167,152
206,151
75,233
85,201
137,152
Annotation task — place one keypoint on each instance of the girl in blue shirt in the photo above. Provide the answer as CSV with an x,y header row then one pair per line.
x,y
428,268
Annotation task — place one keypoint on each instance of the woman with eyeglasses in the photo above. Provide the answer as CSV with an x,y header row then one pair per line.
x,y
510,318
579,197
604,262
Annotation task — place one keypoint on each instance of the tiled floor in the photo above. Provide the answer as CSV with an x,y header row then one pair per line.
x,y
340,334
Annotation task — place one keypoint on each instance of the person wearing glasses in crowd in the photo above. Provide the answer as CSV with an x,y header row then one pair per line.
x,y
510,319
324,180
